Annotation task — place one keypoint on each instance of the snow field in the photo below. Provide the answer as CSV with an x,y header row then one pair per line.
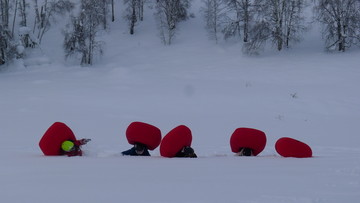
x,y
304,93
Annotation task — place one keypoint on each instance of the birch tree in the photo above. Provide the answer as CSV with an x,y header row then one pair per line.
x,y
280,22
341,23
168,14
213,13
81,35
46,13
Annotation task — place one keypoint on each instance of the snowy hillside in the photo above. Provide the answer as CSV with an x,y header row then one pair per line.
x,y
304,93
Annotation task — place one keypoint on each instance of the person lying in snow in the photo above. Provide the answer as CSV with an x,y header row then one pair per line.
x,y
247,141
177,143
138,150
143,137
60,140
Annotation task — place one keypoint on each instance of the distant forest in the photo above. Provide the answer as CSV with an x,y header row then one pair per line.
x,y
254,23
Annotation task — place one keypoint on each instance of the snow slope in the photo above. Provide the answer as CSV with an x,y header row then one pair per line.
x,y
213,89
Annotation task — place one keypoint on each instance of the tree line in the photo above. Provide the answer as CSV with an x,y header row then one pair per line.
x,y
255,23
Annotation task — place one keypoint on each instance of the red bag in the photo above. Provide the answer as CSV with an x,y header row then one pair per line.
x,y
50,143
289,147
248,138
175,140
149,135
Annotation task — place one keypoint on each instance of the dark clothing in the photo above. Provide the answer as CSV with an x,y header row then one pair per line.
x,y
186,152
245,152
139,149
133,152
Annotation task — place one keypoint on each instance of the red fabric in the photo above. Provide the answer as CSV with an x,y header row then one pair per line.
x,y
289,147
248,138
149,135
175,140
78,143
50,143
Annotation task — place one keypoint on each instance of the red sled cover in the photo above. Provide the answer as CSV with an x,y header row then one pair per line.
x,y
50,143
248,138
175,140
139,132
289,147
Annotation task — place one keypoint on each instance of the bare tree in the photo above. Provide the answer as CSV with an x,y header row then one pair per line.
x,y
246,16
213,12
279,21
294,22
168,14
140,8
134,12
103,12
14,18
239,16
165,21
47,13
131,14
4,11
104,4
8,46
112,11
259,35
7,41
26,38
340,20
23,5
80,38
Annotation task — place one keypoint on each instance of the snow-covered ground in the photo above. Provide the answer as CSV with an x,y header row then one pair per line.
x,y
303,93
